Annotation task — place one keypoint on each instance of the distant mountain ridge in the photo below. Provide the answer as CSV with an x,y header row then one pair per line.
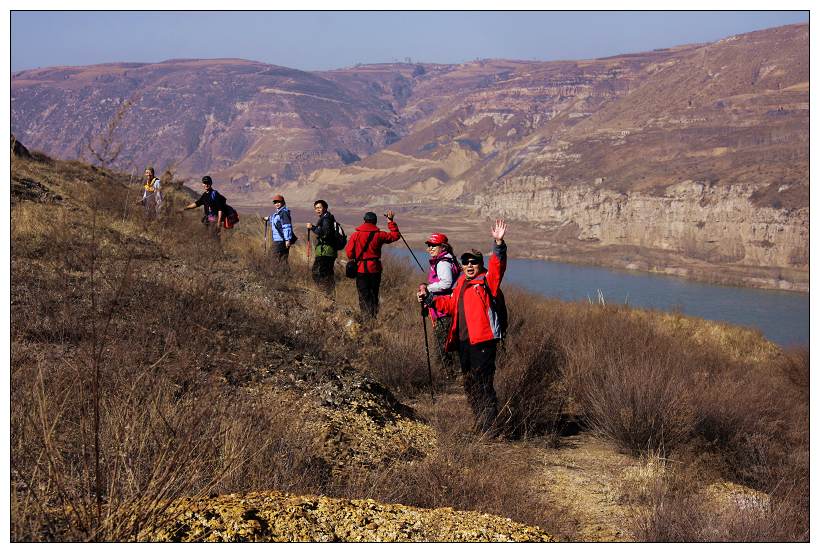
x,y
593,150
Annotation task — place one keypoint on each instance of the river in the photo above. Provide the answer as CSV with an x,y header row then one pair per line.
x,y
783,317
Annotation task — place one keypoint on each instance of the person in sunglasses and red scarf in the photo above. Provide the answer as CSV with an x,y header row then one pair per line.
x,y
477,325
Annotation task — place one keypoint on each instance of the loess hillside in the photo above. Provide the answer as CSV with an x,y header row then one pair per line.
x,y
691,160
166,386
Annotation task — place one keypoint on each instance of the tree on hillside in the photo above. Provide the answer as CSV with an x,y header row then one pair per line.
x,y
104,148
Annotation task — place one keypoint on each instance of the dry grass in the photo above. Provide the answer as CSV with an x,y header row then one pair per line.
x,y
138,349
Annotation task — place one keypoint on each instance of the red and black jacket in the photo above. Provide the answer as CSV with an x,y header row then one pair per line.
x,y
482,322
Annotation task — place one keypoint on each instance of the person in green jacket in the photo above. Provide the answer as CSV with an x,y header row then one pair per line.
x,y
325,251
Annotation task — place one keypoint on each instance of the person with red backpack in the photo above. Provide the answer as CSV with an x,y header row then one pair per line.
x,y
442,276
364,250
214,204
479,317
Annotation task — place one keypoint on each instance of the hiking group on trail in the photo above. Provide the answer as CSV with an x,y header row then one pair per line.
x,y
463,301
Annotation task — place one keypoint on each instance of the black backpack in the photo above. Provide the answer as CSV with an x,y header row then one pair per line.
x,y
339,237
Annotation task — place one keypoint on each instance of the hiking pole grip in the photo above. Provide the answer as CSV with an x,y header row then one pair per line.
x,y
266,235
427,346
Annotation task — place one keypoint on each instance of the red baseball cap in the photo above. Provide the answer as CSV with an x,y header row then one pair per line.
x,y
436,239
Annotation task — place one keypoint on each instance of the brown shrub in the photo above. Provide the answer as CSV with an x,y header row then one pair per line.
x,y
530,381
682,509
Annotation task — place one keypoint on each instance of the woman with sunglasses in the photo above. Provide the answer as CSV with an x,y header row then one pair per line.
x,y
443,273
477,326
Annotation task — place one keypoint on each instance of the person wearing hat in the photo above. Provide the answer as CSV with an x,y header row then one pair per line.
x,y
443,273
365,248
213,203
476,327
281,231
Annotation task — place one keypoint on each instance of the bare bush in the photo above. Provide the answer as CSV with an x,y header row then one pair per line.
x,y
681,509
530,381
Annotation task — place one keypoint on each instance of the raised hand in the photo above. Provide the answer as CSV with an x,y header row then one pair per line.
x,y
499,229
390,214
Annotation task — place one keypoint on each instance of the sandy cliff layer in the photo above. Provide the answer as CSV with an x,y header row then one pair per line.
x,y
713,224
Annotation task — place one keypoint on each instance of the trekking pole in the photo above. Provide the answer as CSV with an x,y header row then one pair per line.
x,y
427,348
266,235
307,245
411,252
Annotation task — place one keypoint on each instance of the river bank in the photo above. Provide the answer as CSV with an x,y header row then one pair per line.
x,y
465,231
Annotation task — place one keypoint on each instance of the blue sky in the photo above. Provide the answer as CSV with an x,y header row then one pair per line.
x,y
327,40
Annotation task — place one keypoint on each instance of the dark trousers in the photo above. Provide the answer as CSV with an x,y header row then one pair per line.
x,y
323,273
441,327
367,285
478,367
279,257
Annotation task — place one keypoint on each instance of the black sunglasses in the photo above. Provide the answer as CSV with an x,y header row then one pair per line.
x,y
472,262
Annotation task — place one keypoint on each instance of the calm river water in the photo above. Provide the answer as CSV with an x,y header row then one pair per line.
x,y
783,317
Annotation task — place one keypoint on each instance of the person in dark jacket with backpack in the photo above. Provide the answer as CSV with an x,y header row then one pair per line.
x,y
477,325
214,205
326,248
281,232
365,249
442,276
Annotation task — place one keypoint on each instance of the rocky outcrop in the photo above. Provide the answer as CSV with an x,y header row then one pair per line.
x,y
278,517
712,223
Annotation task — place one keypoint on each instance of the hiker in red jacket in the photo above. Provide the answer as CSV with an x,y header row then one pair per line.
x,y
476,326
365,247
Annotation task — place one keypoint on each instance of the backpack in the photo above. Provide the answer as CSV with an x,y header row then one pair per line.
x,y
230,218
499,306
339,237
454,264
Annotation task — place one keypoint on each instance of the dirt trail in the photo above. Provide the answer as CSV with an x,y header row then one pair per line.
x,y
583,478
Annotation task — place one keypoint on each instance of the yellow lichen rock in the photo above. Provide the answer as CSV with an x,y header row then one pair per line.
x,y
279,517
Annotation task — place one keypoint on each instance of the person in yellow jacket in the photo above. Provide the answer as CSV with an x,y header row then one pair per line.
x,y
151,194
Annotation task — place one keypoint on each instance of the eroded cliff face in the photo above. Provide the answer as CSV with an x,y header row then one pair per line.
x,y
712,223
